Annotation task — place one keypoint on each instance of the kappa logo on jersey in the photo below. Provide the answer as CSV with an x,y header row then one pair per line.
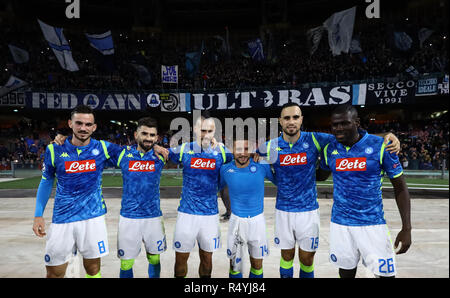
x,y
351,164
203,163
81,166
294,159
141,166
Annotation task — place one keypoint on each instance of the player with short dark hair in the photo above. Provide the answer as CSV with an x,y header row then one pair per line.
x,y
140,214
358,229
78,221
293,156
245,180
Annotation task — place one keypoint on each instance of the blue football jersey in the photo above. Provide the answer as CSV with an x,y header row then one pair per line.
x,y
295,170
246,187
141,174
201,170
358,173
79,179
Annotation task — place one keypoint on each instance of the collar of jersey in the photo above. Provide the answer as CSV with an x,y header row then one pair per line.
x,y
364,135
134,149
73,147
284,143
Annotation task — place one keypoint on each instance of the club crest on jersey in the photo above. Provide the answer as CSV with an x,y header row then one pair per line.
x,y
253,169
293,159
203,163
80,166
141,166
351,164
95,152
369,150
305,145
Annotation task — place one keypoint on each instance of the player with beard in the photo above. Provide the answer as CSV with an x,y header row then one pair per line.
x,y
293,156
358,229
78,221
197,219
140,214
245,180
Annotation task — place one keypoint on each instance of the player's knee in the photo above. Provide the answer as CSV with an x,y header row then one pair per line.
x,y
288,254
306,257
126,264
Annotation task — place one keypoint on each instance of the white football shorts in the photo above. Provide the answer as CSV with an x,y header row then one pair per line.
x,y
89,237
133,231
190,228
249,231
297,227
371,243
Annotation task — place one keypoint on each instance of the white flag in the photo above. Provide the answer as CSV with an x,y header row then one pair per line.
x,y
12,84
340,30
19,55
59,45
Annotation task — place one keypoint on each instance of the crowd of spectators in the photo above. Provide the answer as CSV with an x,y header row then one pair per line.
x,y
288,61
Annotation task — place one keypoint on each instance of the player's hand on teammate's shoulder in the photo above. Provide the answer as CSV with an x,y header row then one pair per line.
x,y
39,226
394,146
59,139
214,143
162,151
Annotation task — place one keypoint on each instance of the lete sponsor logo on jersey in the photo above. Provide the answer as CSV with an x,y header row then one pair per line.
x,y
351,164
203,163
80,166
141,166
293,159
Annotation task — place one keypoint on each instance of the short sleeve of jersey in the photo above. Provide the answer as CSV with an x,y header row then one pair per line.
x,y
228,155
323,164
391,164
322,139
222,182
268,171
48,170
174,154
114,151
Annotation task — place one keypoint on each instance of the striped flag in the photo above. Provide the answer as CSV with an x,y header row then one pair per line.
x,y
59,45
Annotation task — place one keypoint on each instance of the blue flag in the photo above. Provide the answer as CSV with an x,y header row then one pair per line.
x,y
102,42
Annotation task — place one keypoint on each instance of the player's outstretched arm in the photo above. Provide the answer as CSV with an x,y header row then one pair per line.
x,y
404,206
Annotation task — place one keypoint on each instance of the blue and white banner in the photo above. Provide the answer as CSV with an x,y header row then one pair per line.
x,y
340,30
169,74
97,101
255,48
102,42
59,45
